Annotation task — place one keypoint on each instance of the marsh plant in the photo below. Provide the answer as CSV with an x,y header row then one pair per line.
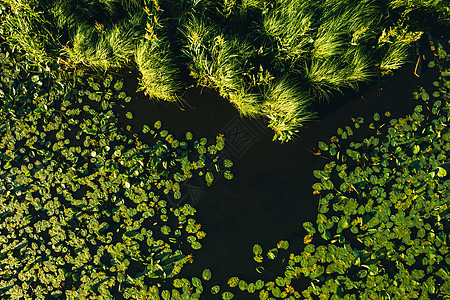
x,y
226,45
160,77
84,205
383,219
286,106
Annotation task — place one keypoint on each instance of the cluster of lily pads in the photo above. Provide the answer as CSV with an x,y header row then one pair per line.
x,y
84,204
383,223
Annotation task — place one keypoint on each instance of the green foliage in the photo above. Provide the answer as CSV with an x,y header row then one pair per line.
x,y
383,217
219,61
160,75
286,107
84,208
243,49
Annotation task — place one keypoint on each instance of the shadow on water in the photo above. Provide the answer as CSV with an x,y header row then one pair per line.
x,y
270,195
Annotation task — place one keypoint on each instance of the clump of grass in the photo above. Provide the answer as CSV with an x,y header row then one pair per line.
x,y
395,57
90,48
247,103
27,27
438,12
286,107
70,14
160,76
360,67
219,61
122,41
290,25
197,34
328,42
101,49
337,72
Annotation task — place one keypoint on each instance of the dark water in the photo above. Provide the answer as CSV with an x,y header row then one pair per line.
x,y
270,195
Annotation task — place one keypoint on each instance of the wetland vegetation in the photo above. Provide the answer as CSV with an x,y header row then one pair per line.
x,y
91,204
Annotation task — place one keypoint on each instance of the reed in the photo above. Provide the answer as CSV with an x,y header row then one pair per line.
x,y
290,26
27,28
219,61
286,106
160,75
395,57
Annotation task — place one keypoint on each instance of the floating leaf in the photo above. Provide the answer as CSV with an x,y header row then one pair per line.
x,y
209,178
189,136
227,163
441,172
376,117
196,282
118,85
257,250
215,289
233,281
206,275
323,146
283,245
227,296
272,254
228,175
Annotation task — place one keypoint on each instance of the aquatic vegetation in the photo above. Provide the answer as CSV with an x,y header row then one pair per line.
x,y
160,77
85,206
225,45
219,61
383,211
286,106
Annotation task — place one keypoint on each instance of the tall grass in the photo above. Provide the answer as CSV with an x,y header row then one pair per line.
x,y
27,27
290,25
220,61
395,57
160,75
438,12
90,48
287,108
198,35
73,13
337,72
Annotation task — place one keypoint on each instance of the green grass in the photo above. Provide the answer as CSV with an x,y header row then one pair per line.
x,y
160,76
27,28
291,27
220,61
70,14
90,48
246,102
395,57
235,47
287,108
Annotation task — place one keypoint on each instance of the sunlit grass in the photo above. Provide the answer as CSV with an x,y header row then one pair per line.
x,y
90,49
26,27
160,77
395,57
291,27
286,107
247,103
219,61
74,13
